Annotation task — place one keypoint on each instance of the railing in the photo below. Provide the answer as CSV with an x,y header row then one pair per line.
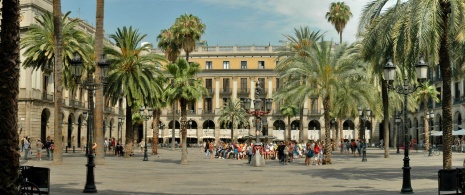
x,y
121,111
314,112
225,91
76,103
108,109
47,97
191,112
209,92
170,112
208,112
243,91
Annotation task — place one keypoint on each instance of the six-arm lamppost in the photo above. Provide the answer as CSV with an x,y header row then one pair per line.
x,y
120,129
364,118
258,112
146,116
90,86
405,89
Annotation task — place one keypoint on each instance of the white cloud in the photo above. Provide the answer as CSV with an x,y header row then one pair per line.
x,y
289,14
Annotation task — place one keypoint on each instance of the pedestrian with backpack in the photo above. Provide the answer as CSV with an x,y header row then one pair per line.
x,y
309,155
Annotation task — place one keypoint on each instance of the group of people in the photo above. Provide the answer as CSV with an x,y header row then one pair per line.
x,y
284,152
353,146
39,147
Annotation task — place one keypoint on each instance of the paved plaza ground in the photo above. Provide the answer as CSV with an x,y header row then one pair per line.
x,y
163,174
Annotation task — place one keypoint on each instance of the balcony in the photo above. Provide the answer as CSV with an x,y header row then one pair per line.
x,y
243,92
458,100
108,110
47,97
191,113
208,113
225,91
76,104
276,112
171,112
209,93
315,112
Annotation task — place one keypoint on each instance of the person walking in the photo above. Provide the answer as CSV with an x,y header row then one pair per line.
x,y
249,152
26,148
52,148
39,146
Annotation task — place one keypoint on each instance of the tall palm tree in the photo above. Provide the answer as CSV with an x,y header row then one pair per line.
x,y
185,88
425,93
232,113
428,27
131,74
57,153
10,60
98,122
39,46
157,102
298,46
325,70
188,29
169,44
288,110
339,15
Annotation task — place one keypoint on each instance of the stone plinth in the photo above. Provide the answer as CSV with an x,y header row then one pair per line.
x,y
257,160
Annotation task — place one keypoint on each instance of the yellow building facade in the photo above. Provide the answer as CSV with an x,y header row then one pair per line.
x,y
231,72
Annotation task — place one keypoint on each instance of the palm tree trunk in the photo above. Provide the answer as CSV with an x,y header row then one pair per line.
x,y
9,90
328,144
288,128
425,121
340,38
339,132
444,64
232,132
385,97
98,122
156,128
129,132
184,131
301,126
57,153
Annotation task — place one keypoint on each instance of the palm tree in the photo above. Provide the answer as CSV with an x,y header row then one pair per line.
x,y
131,74
39,47
157,102
426,93
187,30
288,110
325,70
298,47
232,113
169,44
428,27
98,122
57,153
184,88
339,15
10,60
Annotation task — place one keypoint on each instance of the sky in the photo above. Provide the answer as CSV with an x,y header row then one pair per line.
x,y
228,22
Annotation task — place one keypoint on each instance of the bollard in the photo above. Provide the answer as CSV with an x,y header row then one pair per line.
x,y
74,149
66,149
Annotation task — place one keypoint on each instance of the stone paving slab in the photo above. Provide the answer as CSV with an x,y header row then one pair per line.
x,y
163,174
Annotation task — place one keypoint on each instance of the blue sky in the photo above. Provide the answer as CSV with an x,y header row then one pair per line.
x,y
228,22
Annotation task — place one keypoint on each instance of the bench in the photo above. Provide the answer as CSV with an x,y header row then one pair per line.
x,y
39,176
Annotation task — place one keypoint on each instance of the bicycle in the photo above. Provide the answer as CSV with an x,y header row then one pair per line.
x,y
26,187
434,151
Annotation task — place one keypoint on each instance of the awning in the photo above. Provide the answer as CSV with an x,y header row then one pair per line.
x,y
207,137
169,136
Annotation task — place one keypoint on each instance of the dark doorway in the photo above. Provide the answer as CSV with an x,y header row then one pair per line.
x,y
43,124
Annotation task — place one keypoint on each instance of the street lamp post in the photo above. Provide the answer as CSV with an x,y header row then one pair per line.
x,y
120,129
146,116
258,112
90,86
161,126
430,115
398,120
364,118
405,89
